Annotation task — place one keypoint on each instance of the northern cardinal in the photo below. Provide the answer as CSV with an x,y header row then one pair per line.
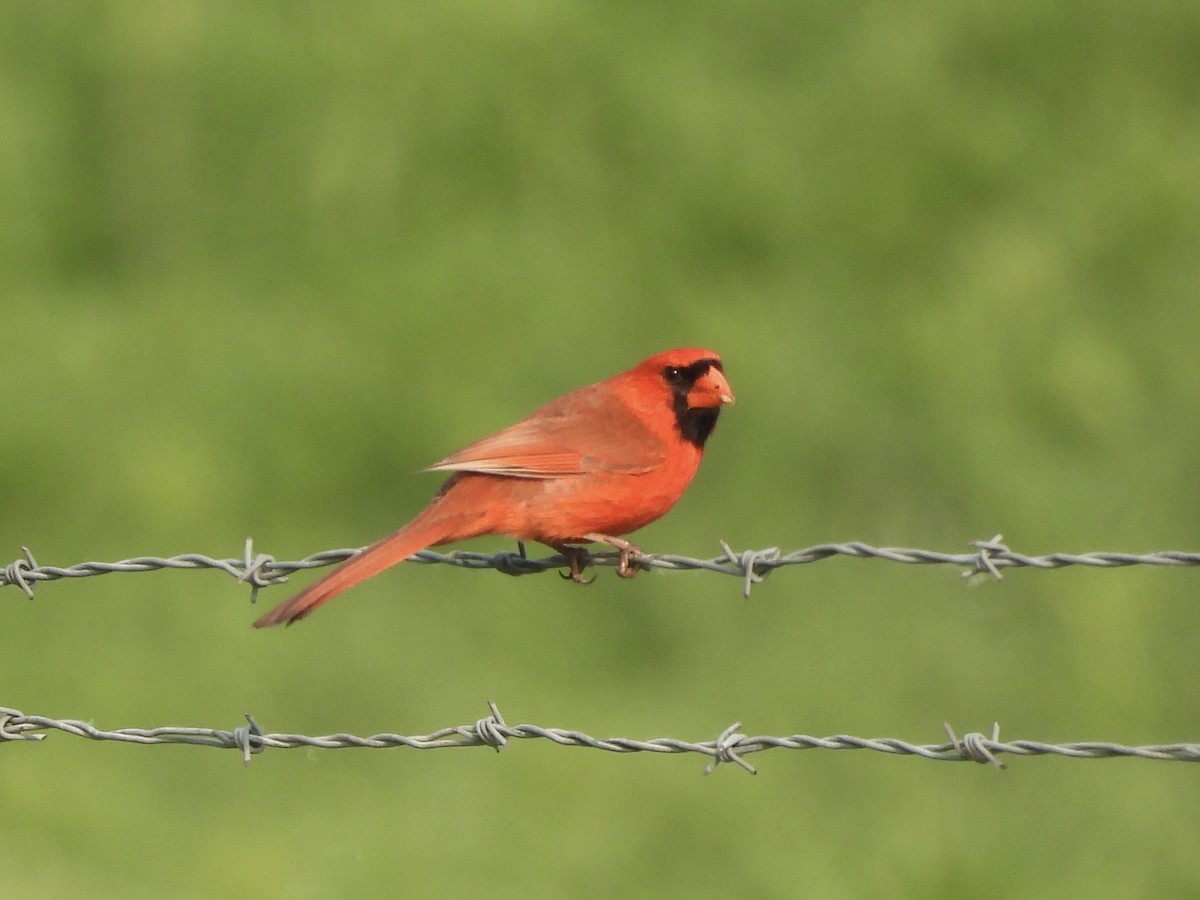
x,y
593,465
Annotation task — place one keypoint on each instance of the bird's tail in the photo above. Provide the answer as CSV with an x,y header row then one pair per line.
x,y
426,530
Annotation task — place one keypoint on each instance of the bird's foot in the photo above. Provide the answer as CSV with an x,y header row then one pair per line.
x,y
576,562
629,555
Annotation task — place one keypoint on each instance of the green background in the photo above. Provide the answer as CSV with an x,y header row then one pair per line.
x,y
262,262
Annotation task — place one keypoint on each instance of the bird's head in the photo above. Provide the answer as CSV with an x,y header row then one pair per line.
x,y
696,386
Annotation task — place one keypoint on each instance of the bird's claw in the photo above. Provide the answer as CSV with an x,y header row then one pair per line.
x,y
575,557
629,558
576,577
629,554
629,561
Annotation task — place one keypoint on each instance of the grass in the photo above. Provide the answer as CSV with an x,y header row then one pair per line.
x,y
263,264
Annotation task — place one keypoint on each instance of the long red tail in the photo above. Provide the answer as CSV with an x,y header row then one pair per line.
x,y
426,530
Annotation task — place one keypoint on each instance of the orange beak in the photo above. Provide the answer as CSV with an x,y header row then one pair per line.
x,y
710,390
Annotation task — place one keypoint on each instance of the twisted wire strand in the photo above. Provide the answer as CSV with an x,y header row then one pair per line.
x,y
751,566
730,746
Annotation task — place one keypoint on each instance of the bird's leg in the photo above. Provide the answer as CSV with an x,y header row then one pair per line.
x,y
575,557
629,554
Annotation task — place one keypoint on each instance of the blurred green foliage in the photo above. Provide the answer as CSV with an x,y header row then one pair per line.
x,y
262,262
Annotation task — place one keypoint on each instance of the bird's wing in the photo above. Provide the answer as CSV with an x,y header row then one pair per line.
x,y
588,430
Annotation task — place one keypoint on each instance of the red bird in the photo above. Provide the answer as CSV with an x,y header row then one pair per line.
x,y
593,465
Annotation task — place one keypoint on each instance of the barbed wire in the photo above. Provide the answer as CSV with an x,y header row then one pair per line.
x,y
751,566
730,746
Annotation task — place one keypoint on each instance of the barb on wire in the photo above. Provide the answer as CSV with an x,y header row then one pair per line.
x,y
730,746
14,573
750,566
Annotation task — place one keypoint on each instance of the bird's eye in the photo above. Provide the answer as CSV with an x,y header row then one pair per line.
x,y
671,373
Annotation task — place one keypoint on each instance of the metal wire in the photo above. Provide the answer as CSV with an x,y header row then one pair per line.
x,y
730,746
751,566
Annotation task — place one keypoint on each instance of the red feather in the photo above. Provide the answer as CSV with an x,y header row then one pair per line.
x,y
595,464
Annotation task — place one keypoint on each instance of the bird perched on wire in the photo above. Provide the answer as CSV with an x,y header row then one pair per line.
x,y
591,466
